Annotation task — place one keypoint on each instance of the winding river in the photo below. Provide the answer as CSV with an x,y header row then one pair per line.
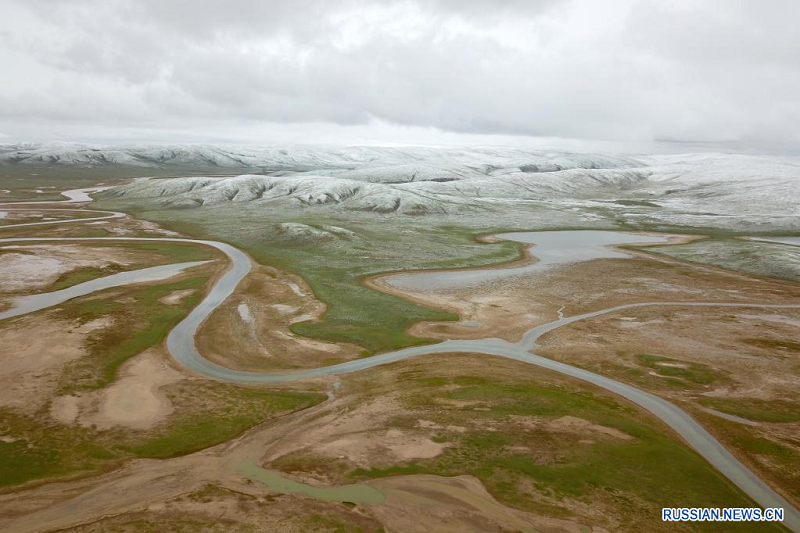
x,y
181,345
35,302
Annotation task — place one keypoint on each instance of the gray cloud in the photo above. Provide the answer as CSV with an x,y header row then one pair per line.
x,y
623,70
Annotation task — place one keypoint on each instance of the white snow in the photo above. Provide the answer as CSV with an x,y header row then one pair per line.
x,y
81,195
695,186
244,313
296,289
694,189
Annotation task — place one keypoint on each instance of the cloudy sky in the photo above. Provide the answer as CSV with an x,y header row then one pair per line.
x,y
433,71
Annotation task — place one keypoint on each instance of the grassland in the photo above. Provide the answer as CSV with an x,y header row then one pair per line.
x,y
773,411
751,257
140,322
679,372
43,449
216,509
511,428
776,459
205,413
334,266
737,363
41,216
148,254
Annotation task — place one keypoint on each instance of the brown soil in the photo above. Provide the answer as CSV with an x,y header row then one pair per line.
x,y
174,298
33,352
215,509
748,350
274,300
135,400
177,490
31,267
358,433
716,341
117,227
423,503
579,427
508,308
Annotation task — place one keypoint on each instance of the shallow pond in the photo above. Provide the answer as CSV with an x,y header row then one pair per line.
x,y
551,248
355,493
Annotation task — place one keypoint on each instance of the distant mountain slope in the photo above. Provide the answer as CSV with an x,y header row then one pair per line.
x,y
300,157
411,180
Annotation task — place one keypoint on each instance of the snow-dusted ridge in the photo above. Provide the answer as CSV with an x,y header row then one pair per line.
x,y
302,157
417,180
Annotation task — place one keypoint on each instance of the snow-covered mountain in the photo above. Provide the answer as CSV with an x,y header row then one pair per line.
x,y
702,189
300,157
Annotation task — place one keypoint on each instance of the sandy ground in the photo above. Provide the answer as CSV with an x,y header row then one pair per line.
x,y
508,308
579,428
33,352
720,341
734,344
352,428
135,400
120,227
15,215
714,338
161,489
174,298
130,228
32,267
358,434
425,503
250,331
216,509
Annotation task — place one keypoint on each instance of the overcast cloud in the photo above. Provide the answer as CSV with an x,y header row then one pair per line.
x,y
428,71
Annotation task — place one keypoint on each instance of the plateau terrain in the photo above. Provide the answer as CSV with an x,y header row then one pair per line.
x,y
400,339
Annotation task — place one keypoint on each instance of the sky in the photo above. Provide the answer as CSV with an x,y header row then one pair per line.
x,y
518,72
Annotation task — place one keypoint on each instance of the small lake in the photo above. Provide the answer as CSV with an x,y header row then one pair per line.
x,y
550,248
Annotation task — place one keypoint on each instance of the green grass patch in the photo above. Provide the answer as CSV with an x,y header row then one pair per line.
x,y
773,411
43,449
672,368
140,322
82,275
773,344
334,267
244,408
751,257
519,463
158,254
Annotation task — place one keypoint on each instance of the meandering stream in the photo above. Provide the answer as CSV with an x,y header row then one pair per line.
x,y
181,345
21,305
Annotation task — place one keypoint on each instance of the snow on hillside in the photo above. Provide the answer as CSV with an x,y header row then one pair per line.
x,y
301,157
686,188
